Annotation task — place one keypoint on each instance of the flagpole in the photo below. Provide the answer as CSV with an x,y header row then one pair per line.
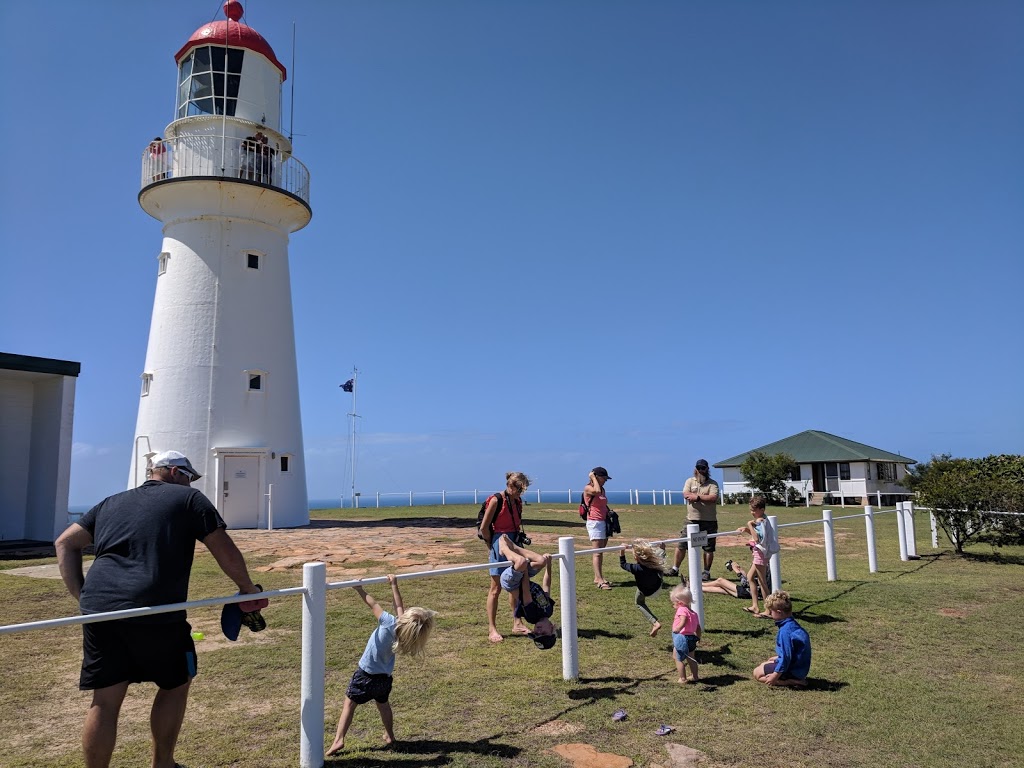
x,y
352,445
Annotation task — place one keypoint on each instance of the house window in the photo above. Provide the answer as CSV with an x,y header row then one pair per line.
x,y
256,381
285,463
886,470
844,470
795,474
252,260
147,381
161,262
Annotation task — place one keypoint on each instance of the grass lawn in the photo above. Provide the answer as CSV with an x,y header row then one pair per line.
x,y
916,665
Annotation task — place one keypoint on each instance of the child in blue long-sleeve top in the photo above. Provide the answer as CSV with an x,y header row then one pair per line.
x,y
792,659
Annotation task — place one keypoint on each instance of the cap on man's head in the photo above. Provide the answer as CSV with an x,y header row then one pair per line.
x,y
544,642
174,459
601,472
702,465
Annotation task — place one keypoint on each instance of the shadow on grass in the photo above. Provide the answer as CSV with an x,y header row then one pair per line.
x,y
821,684
996,558
590,634
714,682
422,748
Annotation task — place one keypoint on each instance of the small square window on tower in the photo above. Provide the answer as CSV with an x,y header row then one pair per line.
x,y
161,261
286,463
147,382
256,381
252,260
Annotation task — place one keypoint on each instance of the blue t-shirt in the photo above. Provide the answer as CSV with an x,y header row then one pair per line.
x,y
378,658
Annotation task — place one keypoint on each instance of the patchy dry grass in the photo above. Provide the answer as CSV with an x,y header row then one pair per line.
x,y
918,664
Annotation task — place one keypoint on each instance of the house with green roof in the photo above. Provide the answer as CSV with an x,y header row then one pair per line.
x,y
830,467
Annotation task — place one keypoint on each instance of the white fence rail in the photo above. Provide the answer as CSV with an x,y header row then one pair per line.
x,y
314,608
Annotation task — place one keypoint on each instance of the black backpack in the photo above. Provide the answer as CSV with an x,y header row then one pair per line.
x,y
483,511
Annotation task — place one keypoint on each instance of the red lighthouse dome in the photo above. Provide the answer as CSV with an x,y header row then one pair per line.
x,y
233,34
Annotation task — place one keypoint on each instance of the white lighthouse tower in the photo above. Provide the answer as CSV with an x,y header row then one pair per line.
x,y
220,382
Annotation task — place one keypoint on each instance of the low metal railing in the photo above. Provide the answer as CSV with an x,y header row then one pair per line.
x,y
228,157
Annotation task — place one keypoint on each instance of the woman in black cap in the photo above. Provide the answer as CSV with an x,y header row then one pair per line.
x,y
596,504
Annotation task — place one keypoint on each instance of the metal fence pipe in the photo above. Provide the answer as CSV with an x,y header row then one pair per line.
x,y
830,544
935,530
775,562
314,665
567,585
869,532
901,526
908,515
695,563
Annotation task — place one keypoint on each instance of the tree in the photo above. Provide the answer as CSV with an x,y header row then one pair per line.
x,y
768,472
963,494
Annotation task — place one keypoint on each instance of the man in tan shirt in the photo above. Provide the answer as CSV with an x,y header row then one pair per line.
x,y
701,494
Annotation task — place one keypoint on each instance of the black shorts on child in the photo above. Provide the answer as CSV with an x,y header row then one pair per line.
x,y
363,686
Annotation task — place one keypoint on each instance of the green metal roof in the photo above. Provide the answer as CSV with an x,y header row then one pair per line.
x,y
815,445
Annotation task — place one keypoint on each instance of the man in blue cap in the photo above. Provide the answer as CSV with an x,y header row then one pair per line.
x,y
144,541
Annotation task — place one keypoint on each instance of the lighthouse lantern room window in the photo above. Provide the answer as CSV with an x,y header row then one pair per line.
x,y
203,80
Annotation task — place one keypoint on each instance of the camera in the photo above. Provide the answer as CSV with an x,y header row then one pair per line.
x,y
522,540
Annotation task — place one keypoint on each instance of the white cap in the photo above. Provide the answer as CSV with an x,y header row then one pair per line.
x,y
173,459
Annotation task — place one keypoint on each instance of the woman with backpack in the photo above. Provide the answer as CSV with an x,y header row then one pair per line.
x,y
503,515
596,504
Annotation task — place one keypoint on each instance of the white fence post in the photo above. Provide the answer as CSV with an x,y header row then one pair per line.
x,y
830,544
670,497
538,495
879,494
775,562
567,586
901,526
935,530
908,514
475,502
570,496
442,497
695,562
378,499
270,507
410,498
869,529
654,497
314,665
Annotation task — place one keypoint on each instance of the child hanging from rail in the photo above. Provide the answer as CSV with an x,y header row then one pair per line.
x,y
648,570
763,545
406,631
686,632
534,604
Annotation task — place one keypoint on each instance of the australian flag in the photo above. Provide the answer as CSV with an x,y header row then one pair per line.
x,y
349,385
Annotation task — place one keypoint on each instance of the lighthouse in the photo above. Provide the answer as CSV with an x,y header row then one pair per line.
x,y
220,381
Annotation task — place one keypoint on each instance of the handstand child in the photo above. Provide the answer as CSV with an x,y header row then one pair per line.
x,y
685,632
762,546
534,603
648,569
792,659
406,632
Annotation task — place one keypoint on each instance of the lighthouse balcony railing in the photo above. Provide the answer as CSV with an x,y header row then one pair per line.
x,y
225,157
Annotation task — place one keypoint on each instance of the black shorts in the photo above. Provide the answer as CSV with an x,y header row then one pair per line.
x,y
706,526
118,651
743,591
363,686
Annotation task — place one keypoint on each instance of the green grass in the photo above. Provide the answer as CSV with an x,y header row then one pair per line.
x,y
918,664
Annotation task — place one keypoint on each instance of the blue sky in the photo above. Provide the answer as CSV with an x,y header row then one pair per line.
x,y
559,234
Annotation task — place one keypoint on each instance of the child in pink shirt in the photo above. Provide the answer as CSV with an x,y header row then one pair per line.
x,y
685,632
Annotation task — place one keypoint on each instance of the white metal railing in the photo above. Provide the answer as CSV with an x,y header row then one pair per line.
x,y
228,157
314,608
654,497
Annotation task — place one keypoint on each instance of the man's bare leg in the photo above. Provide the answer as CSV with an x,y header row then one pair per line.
x,y
165,723
100,732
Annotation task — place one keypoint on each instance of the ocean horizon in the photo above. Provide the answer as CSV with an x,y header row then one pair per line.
x,y
434,499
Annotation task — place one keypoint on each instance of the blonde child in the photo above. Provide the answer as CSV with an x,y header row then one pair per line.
x,y
763,545
686,632
648,570
404,632
792,659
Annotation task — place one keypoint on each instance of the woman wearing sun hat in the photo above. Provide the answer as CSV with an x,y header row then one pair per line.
x,y
596,503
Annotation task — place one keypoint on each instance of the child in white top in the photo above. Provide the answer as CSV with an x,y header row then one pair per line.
x,y
762,546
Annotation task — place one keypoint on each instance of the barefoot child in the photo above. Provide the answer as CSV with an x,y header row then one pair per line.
x,y
648,569
405,633
534,603
792,659
762,546
685,632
